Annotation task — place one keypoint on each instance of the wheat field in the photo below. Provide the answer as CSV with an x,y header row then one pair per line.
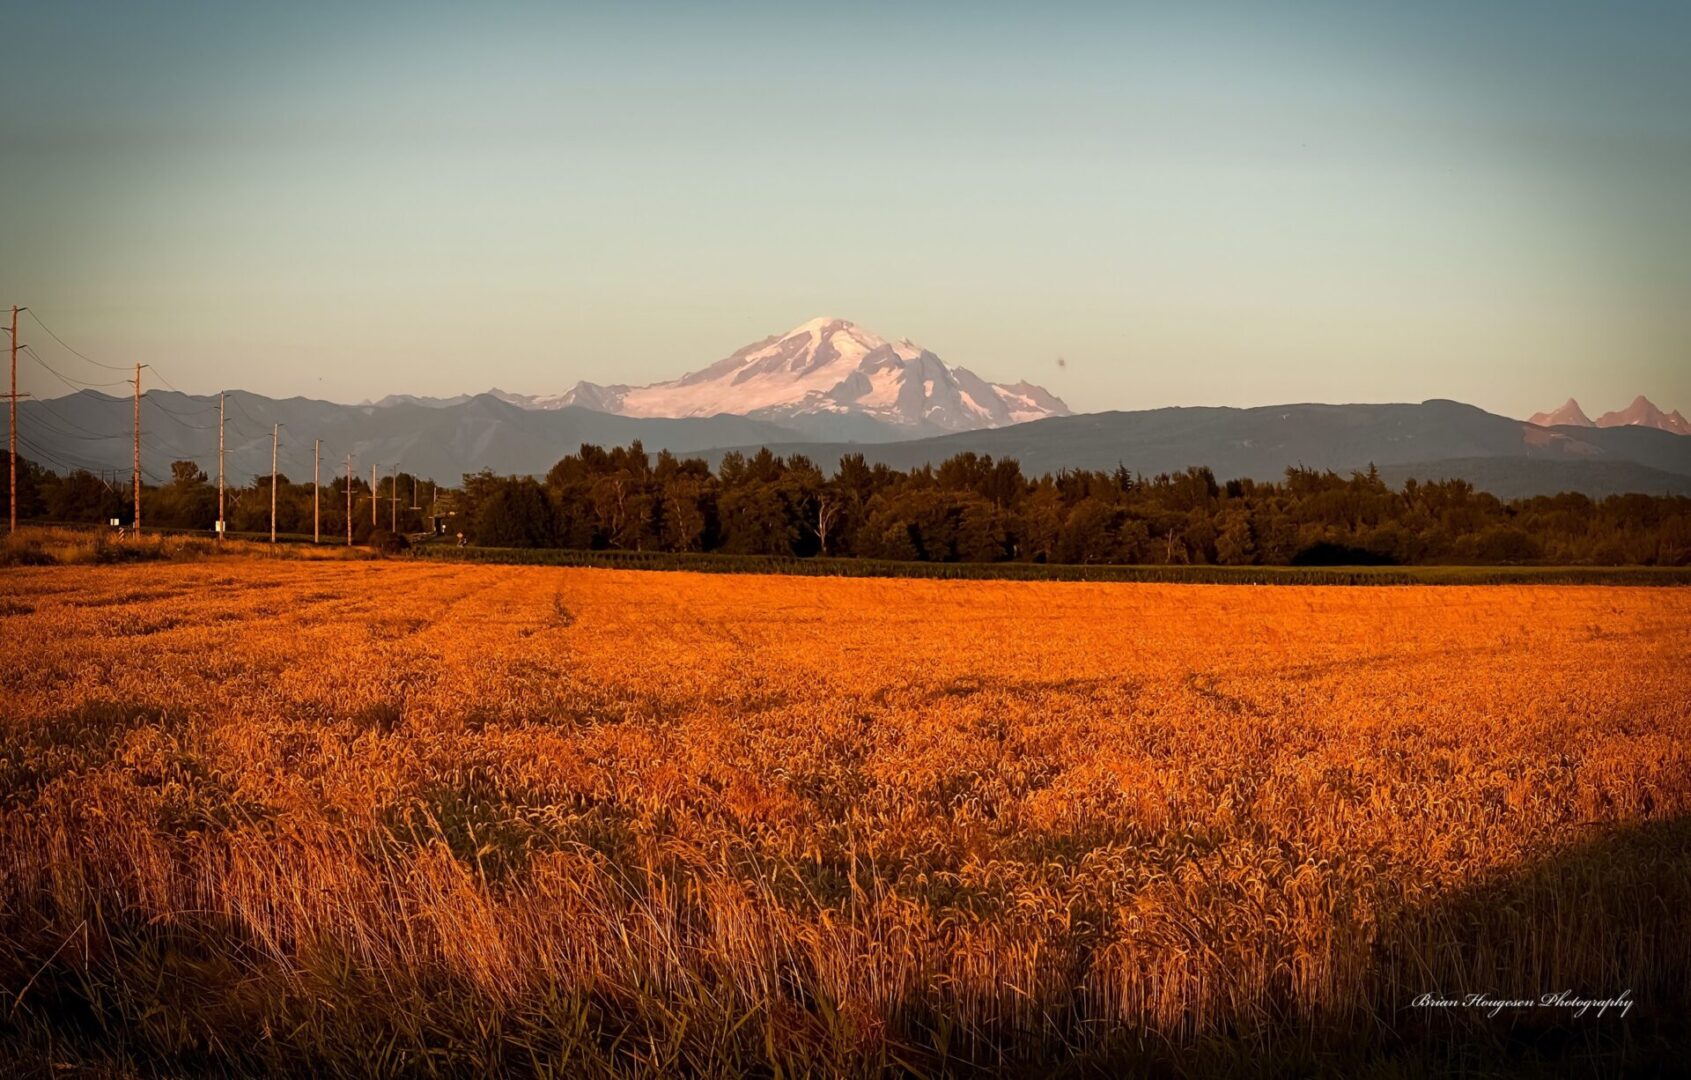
x,y
392,818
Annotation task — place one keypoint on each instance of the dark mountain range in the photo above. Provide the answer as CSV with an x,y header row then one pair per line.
x,y
1434,438
92,430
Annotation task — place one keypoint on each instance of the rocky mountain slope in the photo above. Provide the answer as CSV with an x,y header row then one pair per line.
x,y
832,378
1641,413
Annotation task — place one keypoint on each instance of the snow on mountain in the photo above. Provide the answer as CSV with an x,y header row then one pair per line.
x,y
827,370
1642,413
1569,415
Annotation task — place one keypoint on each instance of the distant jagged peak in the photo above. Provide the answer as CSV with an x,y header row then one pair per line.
x,y
1641,413
1568,415
1644,413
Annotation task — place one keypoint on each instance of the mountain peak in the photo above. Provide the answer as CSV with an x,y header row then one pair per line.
x,y
1641,413
831,376
1569,415
821,322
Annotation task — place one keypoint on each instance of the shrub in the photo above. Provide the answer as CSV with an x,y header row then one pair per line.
x,y
389,543
1327,553
24,551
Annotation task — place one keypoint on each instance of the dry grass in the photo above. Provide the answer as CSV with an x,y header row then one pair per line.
x,y
47,545
365,817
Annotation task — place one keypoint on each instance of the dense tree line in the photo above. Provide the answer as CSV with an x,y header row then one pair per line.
x,y
975,508
969,508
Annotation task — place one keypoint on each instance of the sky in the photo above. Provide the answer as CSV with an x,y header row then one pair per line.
x,y
1206,203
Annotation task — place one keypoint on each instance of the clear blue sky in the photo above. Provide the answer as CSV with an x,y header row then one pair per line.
x,y
1193,204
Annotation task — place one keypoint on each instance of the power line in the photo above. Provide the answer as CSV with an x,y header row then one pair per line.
x,y
159,443
46,403
167,382
67,348
243,435
70,461
152,440
156,443
235,401
38,455
194,407
89,359
154,402
74,384
90,437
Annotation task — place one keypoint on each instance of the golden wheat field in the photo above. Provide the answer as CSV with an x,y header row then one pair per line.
x,y
260,816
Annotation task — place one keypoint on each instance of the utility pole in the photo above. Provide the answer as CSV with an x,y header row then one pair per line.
x,y
221,526
394,527
12,429
372,496
275,438
349,500
137,450
316,477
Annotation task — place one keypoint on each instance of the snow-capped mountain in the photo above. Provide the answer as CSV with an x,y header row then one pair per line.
x,y
1569,415
828,377
1641,413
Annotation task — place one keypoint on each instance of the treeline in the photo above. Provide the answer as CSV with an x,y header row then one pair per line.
x,y
973,508
189,501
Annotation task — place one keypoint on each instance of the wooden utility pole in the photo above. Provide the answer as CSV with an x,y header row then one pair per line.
x,y
316,478
222,527
349,500
12,429
372,496
394,527
275,438
137,450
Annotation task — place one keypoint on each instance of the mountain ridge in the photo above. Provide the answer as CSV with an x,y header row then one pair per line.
x,y
1262,442
1641,413
1437,437
828,378
93,430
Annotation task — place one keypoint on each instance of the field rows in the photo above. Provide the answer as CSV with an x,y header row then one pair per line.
x,y
391,816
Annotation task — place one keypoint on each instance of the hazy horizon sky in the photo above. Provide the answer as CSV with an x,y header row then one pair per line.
x,y
1206,204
